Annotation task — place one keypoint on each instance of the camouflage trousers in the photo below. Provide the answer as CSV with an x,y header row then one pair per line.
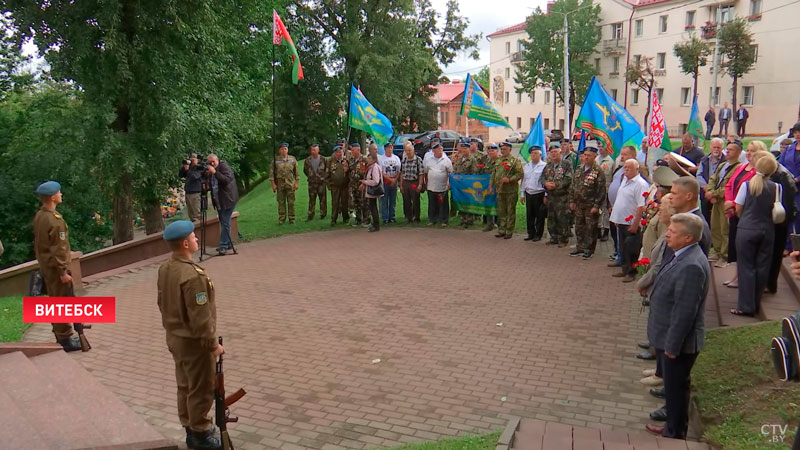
x,y
558,219
339,203
507,211
358,204
317,191
285,201
586,228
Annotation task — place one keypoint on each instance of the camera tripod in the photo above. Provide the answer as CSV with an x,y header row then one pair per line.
x,y
203,215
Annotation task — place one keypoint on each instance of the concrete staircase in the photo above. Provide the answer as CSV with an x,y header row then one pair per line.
x,y
530,434
48,401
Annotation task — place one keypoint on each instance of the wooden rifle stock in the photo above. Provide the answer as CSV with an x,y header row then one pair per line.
x,y
221,405
79,327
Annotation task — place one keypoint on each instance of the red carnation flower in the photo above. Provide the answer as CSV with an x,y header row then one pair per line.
x,y
480,166
413,186
439,197
645,260
629,218
645,194
644,222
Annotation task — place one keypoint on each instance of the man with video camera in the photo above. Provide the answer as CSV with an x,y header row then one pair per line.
x,y
193,172
225,195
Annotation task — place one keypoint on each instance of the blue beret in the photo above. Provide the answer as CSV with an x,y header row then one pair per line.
x,y
337,147
284,144
388,144
589,148
340,141
436,145
493,146
463,143
554,145
534,147
315,144
355,144
436,139
505,144
178,230
48,188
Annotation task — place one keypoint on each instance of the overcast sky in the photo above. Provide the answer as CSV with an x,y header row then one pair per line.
x,y
485,17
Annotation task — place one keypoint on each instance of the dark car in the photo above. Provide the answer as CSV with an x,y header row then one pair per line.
x,y
449,140
400,140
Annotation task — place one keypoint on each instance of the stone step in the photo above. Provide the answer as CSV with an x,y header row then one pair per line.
x,y
19,433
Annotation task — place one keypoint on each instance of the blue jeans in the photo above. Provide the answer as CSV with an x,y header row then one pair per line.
x,y
388,202
225,227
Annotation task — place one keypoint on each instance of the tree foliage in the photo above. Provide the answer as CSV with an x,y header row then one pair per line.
x,y
482,77
693,54
642,75
736,44
543,51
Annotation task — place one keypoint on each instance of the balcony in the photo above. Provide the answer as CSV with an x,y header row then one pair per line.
x,y
708,31
660,72
613,47
517,58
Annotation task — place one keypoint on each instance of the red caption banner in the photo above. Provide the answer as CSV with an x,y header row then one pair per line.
x,y
69,309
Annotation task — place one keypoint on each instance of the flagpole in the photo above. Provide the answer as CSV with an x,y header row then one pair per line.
x,y
349,95
274,141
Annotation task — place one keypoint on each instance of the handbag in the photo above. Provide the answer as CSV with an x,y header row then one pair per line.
x,y
377,190
778,211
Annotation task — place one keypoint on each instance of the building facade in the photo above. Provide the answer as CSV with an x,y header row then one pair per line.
x,y
448,103
650,28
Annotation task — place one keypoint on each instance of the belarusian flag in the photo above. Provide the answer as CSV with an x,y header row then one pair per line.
x,y
281,35
695,128
658,136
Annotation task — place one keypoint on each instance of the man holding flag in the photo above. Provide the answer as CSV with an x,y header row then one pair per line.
x,y
588,193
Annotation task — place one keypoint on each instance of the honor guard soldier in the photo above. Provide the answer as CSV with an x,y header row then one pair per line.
x,y
316,170
337,171
189,316
51,246
505,181
586,197
465,165
283,176
357,171
556,178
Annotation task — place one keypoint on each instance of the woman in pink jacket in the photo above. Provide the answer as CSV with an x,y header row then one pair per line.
x,y
373,178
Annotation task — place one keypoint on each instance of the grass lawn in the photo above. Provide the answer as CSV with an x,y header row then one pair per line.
x,y
738,390
11,326
482,442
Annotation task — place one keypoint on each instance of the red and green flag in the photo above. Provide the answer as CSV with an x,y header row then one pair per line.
x,y
281,36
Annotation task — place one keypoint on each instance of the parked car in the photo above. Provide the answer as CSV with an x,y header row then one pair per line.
x,y
449,140
555,135
517,136
398,142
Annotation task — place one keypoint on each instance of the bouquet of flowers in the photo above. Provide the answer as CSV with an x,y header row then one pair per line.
x,y
641,266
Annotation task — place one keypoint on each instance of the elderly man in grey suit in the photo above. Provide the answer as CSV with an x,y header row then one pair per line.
x,y
675,325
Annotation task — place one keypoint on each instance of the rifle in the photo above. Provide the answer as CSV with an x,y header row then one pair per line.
x,y
79,327
222,412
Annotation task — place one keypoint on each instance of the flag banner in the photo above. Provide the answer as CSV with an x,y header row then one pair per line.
x,y
471,194
581,146
476,105
281,35
658,138
535,137
364,116
609,122
695,127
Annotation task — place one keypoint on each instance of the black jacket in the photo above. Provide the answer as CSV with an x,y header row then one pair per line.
x,y
710,118
193,175
224,188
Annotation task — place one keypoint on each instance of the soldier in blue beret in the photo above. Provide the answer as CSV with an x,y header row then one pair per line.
x,y
188,314
51,247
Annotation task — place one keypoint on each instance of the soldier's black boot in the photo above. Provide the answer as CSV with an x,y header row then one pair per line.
x,y
203,440
604,236
70,344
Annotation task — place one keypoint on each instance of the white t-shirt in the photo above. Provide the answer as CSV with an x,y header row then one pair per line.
x,y
629,198
437,171
390,165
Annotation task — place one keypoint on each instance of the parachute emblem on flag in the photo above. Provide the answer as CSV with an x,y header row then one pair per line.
x,y
477,192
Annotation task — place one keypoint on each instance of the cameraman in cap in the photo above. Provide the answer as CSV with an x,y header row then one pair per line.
x,y
193,173
225,195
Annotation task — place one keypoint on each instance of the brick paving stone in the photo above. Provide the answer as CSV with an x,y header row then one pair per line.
x,y
302,329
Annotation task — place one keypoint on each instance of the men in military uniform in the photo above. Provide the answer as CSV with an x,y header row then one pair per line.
x,y
606,163
588,193
316,170
51,246
505,180
357,171
337,172
557,177
465,165
189,316
568,154
283,176
486,166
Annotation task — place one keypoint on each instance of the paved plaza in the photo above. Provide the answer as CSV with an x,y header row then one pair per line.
x,y
348,339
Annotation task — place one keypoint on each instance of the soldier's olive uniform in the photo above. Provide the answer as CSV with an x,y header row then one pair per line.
x,y
357,172
558,200
587,192
509,166
485,166
466,165
51,246
339,192
189,316
317,185
286,177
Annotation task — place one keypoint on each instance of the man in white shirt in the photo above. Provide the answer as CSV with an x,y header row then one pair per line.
x,y
390,167
626,214
532,194
437,170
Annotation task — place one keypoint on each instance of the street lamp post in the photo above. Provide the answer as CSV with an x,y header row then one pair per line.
x,y
565,87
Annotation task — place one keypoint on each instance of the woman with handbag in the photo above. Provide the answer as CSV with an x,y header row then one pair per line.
x,y
373,183
758,206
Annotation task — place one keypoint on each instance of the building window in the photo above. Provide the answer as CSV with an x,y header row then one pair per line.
x,y
519,46
662,24
689,19
635,96
616,30
506,96
597,65
508,73
660,95
615,65
519,97
519,123
639,27
636,60
614,94
508,48
532,97
714,96
546,98
532,120
686,94
561,124
546,124
447,119
505,118
747,91
661,61
755,52
755,8
726,13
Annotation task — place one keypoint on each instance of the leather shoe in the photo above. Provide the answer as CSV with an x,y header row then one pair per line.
x,y
576,252
508,236
529,238
618,275
658,392
644,345
659,415
500,235
614,264
647,356
655,429
203,440
70,344
628,279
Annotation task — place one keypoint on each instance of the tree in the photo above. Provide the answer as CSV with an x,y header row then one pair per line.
x,y
693,54
11,59
543,52
159,78
482,77
642,75
736,44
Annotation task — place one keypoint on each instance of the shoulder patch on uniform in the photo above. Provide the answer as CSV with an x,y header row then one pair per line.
x,y
198,269
62,235
57,215
201,298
